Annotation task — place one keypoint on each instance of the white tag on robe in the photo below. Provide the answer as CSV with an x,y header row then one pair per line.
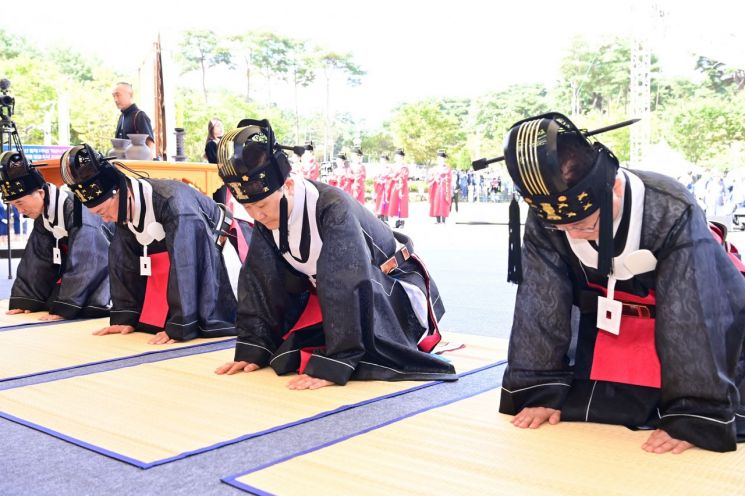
x,y
609,310
145,263
56,256
145,266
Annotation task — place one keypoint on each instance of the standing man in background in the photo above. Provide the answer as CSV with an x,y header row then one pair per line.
x,y
133,120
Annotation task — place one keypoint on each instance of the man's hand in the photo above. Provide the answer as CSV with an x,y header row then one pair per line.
x,y
304,381
115,329
51,316
16,311
532,418
231,368
661,442
161,338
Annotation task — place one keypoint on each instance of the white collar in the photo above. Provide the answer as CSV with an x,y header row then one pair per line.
x,y
305,196
152,230
589,255
54,216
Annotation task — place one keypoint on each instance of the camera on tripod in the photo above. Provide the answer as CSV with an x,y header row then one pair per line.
x,y
7,102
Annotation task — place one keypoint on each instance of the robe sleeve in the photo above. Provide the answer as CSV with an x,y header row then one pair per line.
x,y
262,303
86,268
36,274
538,372
699,329
127,285
191,250
344,293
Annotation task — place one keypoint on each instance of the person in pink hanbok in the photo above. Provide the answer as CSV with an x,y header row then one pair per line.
x,y
440,189
381,185
358,175
398,203
309,166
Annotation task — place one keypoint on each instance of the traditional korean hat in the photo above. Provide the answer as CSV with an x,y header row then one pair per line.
x,y
400,151
253,165
441,153
531,151
357,151
309,146
18,177
93,179
342,156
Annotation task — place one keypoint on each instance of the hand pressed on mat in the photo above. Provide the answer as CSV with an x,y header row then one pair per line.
x,y
231,368
304,381
532,418
661,442
161,338
51,316
114,329
16,311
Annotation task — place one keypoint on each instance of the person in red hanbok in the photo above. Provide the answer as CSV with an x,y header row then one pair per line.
x,y
341,176
358,175
381,186
309,166
440,189
398,203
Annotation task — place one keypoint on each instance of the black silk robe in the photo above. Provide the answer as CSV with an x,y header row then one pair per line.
x,y
698,333
79,287
200,300
369,330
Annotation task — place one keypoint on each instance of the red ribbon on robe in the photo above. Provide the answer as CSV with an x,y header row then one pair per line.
x,y
631,356
155,307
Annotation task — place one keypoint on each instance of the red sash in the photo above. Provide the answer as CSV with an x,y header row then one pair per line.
x,y
311,316
155,307
631,356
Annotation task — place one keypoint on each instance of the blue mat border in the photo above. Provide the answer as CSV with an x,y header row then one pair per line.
x,y
146,465
232,480
40,323
230,341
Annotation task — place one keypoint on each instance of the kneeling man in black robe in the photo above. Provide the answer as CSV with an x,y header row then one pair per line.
x,y
168,276
327,290
64,268
661,306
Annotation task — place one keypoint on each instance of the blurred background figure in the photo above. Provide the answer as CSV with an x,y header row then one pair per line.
x,y
398,203
358,175
440,189
214,133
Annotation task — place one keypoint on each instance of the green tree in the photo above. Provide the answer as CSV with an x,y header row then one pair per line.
x,y
201,49
337,63
597,76
302,72
271,57
721,79
704,129
422,128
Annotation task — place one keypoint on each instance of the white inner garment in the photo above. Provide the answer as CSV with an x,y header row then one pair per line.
x,y
305,194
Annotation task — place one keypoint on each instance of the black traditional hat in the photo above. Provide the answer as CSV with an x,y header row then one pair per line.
x,y
250,162
400,151
441,153
93,179
342,156
531,152
385,156
357,151
18,178
253,165
309,145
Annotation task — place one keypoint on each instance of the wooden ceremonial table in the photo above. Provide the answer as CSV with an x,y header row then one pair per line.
x,y
203,176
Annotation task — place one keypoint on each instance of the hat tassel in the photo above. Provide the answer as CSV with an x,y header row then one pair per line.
x,y
284,244
514,260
